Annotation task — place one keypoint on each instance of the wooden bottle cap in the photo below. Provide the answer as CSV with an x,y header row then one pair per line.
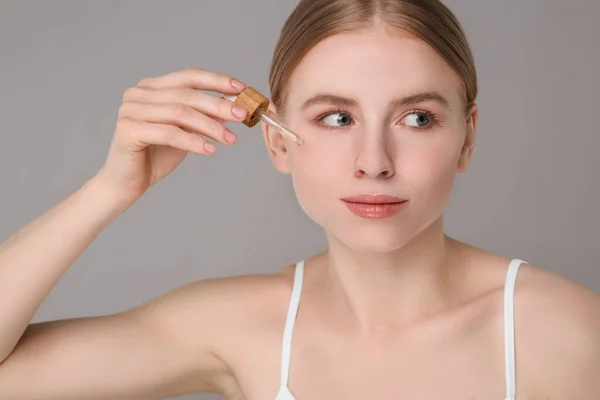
x,y
251,100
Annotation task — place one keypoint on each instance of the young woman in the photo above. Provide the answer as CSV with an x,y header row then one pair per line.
x,y
383,93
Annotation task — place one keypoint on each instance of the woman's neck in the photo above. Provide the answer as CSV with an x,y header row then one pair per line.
x,y
378,292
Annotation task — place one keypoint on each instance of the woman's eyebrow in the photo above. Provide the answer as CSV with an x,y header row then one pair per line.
x,y
419,98
326,98
331,99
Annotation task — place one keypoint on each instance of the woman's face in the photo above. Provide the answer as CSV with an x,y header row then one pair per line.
x,y
380,114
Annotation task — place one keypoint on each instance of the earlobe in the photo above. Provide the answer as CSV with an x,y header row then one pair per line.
x,y
276,145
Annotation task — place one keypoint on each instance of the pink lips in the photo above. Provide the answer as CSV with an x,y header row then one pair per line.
x,y
374,205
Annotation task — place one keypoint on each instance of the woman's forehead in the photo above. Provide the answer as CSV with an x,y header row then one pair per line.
x,y
373,63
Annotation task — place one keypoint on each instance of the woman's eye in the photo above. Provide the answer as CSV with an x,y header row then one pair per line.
x,y
341,119
417,119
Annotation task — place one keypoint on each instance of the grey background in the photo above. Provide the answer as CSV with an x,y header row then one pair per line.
x,y
531,192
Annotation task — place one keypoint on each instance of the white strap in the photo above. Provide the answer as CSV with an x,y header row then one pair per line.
x,y
289,323
509,327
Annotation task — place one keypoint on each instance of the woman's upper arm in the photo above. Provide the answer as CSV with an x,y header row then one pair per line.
x,y
160,349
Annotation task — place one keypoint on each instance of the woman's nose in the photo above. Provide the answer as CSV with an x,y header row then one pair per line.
x,y
373,159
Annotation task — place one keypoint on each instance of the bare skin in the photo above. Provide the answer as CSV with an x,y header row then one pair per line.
x,y
415,338
235,349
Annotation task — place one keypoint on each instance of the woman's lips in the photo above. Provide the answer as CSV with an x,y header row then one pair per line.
x,y
374,205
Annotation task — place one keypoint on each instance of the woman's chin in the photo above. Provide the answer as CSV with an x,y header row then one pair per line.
x,y
370,241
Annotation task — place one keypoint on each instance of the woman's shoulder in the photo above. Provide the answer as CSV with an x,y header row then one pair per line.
x,y
240,297
225,317
557,328
556,324
547,303
230,304
551,297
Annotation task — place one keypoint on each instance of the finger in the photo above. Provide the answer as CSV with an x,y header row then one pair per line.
x,y
142,134
180,115
196,78
212,106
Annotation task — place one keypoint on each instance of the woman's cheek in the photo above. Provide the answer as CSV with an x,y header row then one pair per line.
x,y
318,176
433,173
319,160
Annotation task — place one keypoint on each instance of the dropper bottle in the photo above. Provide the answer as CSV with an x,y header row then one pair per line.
x,y
256,106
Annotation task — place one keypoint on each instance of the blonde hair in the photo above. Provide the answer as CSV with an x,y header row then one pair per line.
x,y
314,20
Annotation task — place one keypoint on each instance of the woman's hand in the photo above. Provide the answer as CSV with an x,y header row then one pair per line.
x,y
161,120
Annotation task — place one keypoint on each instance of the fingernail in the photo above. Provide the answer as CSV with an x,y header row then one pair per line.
x,y
230,137
210,147
238,111
237,84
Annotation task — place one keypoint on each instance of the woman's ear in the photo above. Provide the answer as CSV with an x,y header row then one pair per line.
x,y
276,145
466,153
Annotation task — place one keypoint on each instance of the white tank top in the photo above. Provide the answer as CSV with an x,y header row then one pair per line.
x,y
509,330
